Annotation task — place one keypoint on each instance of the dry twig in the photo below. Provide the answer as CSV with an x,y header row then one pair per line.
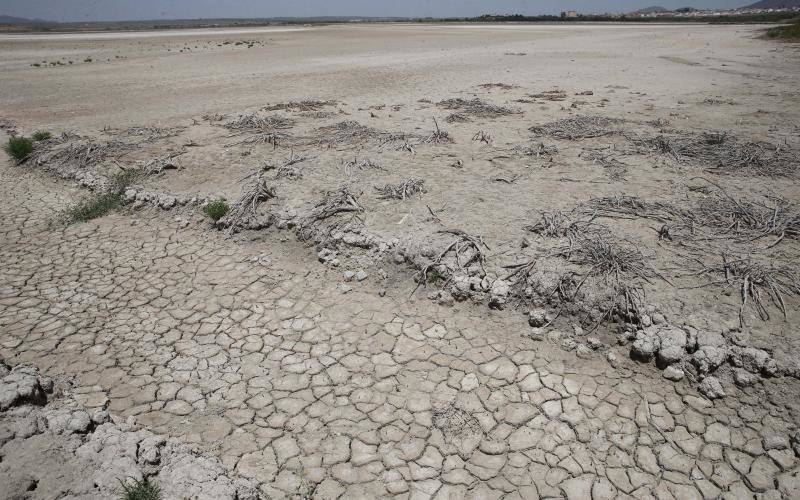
x,y
482,136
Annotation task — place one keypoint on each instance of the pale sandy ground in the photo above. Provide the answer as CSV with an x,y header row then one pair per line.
x,y
247,348
365,65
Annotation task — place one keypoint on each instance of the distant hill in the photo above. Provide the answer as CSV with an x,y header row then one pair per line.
x,y
650,10
21,21
774,4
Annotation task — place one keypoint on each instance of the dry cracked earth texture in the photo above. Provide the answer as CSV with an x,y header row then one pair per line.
x,y
249,353
276,374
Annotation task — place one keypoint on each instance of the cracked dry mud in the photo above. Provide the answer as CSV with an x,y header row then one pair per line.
x,y
249,353
275,373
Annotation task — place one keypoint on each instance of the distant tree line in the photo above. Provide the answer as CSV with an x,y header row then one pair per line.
x,y
766,17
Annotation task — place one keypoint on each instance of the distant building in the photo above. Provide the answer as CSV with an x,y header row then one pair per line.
x,y
569,14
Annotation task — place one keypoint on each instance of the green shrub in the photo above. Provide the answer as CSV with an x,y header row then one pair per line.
x,y
217,209
785,32
140,490
41,135
93,207
120,181
100,203
18,148
87,60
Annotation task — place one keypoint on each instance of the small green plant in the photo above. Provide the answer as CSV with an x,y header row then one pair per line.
x,y
99,204
18,148
87,60
217,209
140,489
41,135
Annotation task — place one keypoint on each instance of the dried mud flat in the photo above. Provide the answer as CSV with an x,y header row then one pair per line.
x,y
460,262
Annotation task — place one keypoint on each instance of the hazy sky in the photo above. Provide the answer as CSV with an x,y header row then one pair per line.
x,y
112,10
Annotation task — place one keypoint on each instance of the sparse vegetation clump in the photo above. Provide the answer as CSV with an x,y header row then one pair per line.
x,y
401,191
351,133
18,148
217,209
790,32
308,105
100,203
759,284
41,135
336,202
438,136
720,152
246,207
140,489
73,154
475,107
260,129
578,127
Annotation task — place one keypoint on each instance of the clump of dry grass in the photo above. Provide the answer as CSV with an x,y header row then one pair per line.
x,y
438,136
624,206
356,164
720,152
579,127
659,123
246,207
272,138
621,268
607,159
336,202
457,118
550,95
261,129
353,133
749,220
558,224
614,273
66,155
475,107
607,259
540,150
401,191
303,106
213,117
460,254
501,86
161,163
253,122
288,168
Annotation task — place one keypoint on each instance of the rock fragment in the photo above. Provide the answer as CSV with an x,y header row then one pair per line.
x,y
711,388
673,373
